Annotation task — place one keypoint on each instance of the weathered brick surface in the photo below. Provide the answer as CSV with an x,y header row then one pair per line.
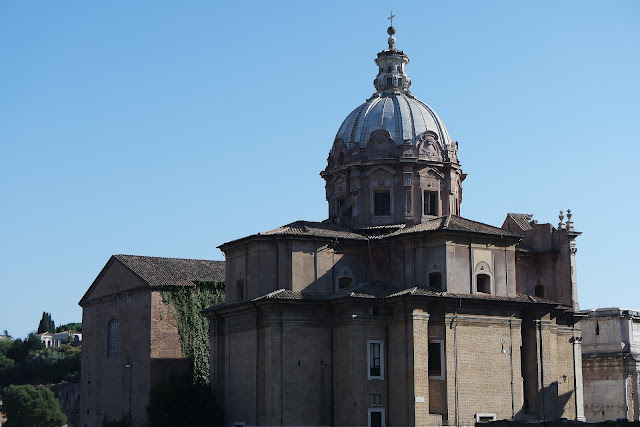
x,y
300,363
148,342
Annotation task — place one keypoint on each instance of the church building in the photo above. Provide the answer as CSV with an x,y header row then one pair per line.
x,y
396,310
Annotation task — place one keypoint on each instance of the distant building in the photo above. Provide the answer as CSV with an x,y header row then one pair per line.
x,y
56,339
396,310
611,364
131,341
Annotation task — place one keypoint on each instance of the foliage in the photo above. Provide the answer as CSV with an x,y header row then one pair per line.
x,y
48,366
4,346
179,401
185,304
29,406
125,421
74,326
46,323
20,349
53,365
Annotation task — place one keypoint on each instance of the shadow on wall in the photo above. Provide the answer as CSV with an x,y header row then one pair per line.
x,y
557,423
549,396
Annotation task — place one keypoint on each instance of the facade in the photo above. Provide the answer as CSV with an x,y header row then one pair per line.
x,y
131,341
396,310
611,364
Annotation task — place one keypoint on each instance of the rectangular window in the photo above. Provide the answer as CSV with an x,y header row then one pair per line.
x,y
430,205
381,203
436,359
375,370
112,338
376,399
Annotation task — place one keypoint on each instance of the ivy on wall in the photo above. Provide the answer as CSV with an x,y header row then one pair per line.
x,y
185,304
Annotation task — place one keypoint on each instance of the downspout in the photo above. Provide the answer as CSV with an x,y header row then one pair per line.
x,y
541,369
333,366
513,409
455,361
386,357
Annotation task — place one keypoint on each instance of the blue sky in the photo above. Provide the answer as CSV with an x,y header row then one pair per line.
x,y
166,128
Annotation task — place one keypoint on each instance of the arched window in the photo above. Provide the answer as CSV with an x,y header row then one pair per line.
x,y
240,290
112,338
435,280
483,283
539,291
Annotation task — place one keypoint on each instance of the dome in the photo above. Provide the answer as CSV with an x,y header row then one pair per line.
x,y
401,114
392,160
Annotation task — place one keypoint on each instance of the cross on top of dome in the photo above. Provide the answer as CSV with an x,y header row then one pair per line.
x,y
391,64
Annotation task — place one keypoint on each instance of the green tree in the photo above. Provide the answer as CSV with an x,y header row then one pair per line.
x,y
77,327
53,365
20,349
46,323
29,406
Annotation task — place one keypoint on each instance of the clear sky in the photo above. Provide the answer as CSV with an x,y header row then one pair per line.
x,y
166,128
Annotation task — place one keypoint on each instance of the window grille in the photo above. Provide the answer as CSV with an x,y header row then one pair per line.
x,y
112,338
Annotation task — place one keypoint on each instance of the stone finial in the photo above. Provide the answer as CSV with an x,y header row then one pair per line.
x,y
569,222
561,223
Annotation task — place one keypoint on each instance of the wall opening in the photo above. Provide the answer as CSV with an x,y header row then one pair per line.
x,y
483,283
435,280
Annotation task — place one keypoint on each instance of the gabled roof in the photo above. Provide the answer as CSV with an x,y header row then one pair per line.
x,y
522,220
159,272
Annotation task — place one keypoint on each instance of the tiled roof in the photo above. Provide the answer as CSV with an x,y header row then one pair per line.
x,y
454,223
522,220
383,290
337,231
309,228
173,271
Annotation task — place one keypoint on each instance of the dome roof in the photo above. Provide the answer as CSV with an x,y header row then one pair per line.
x,y
401,114
393,107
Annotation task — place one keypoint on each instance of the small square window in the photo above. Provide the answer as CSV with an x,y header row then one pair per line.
x,y
382,203
435,280
376,399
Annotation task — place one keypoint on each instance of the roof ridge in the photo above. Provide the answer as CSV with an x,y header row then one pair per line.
x,y
163,257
